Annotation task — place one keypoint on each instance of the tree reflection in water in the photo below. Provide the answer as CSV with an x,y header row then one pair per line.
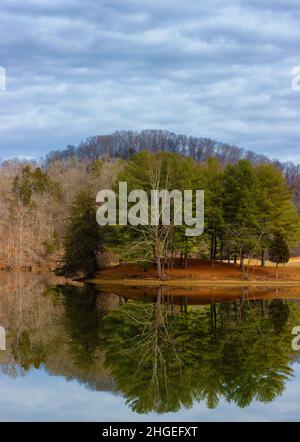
x,y
162,354
163,360
81,321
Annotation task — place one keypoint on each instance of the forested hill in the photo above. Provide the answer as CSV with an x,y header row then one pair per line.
x,y
123,144
36,200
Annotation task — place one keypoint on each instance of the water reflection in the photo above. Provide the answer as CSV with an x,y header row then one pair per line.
x,y
161,349
163,361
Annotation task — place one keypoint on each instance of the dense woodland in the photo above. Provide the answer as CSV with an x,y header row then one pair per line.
x,y
48,207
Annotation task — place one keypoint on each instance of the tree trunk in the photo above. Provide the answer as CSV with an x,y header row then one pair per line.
x,y
181,259
242,261
263,258
159,269
172,260
157,255
21,240
215,246
185,260
212,247
242,265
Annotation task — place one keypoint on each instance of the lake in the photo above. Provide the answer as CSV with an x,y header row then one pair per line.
x,y
74,352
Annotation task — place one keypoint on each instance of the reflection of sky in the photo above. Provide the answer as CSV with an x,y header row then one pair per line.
x,y
40,397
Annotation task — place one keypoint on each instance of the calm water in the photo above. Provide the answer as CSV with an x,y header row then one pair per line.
x,y
76,353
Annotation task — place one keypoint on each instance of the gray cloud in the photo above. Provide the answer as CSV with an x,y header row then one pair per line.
x,y
217,70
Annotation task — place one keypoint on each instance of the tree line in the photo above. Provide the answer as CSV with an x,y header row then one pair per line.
x,y
124,144
249,212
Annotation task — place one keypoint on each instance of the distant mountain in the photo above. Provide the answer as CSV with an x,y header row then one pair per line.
x,y
123,144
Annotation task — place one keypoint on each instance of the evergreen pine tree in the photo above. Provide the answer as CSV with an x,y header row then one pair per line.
x,y
82,240
279,251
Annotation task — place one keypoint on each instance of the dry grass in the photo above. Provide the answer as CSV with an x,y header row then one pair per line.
x,y
201,273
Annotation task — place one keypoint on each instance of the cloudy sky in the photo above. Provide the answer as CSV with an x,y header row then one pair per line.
x,y
215,69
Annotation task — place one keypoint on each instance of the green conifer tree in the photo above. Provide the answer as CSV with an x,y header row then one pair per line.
x,y
82,240
279,251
